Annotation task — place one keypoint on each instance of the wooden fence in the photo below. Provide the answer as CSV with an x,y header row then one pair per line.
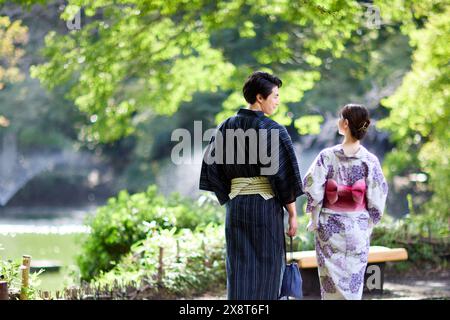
x,y
130,290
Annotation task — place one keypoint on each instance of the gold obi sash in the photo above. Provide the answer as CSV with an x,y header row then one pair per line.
x,y
252,185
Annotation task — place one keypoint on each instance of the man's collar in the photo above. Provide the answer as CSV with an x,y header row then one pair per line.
x,y
249,112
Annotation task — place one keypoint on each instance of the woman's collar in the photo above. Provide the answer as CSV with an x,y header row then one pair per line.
x,y
339,151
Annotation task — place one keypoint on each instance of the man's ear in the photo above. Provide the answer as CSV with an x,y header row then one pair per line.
x,y
259,97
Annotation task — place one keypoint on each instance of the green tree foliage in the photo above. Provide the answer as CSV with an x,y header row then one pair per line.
x,y
298,41
25,3
12,36
40,120
134,63
419,109
132,59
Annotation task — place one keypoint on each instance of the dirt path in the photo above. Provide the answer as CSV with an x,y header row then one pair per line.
x,y
413,287
418,287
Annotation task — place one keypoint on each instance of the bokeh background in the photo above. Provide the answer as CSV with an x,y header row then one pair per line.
x,y
90,92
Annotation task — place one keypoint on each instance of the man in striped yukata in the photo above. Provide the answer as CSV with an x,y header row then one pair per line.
x,y
255,181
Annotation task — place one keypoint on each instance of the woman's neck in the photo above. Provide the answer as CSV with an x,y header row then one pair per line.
x,y
350,145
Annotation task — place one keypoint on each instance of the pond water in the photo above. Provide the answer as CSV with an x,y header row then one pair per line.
x,y
51,234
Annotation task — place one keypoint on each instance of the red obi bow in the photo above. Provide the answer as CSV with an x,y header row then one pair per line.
x,y
357,191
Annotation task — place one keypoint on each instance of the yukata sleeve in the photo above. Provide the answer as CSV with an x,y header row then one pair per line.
x,y
314,187
286,182
212,175
377,190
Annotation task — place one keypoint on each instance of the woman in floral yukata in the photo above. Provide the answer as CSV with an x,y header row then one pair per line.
x,y
346,193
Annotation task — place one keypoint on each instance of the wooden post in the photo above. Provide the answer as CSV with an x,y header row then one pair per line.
x,y
47,295
26,261
25,271
4,294
74,293
161,265
205,255
25,281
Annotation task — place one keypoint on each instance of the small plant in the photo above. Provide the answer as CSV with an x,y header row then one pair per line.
x,y
10,272
426,237
127,218
172,263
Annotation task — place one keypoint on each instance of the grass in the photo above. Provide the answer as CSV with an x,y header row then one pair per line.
x,y
59,247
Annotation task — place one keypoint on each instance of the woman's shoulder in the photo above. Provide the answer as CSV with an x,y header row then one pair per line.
x,y
329,152
369,157
326,156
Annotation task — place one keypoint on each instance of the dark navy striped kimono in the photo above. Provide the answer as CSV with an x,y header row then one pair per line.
x,y
254,229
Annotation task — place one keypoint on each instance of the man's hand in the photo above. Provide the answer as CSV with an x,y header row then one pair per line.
x,y
292,225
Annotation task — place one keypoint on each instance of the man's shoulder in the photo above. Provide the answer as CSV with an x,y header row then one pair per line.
x,y
269,124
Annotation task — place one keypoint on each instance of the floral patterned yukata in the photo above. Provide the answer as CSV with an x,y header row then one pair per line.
x,y
346,197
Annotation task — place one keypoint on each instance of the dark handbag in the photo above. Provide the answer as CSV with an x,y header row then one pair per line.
x,y
292,279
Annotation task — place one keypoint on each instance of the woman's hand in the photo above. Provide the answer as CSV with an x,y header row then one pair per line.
x,y
292,225
311,227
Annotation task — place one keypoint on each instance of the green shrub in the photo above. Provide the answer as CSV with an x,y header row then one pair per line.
x,y
304,240
425,237
193,263
126,219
